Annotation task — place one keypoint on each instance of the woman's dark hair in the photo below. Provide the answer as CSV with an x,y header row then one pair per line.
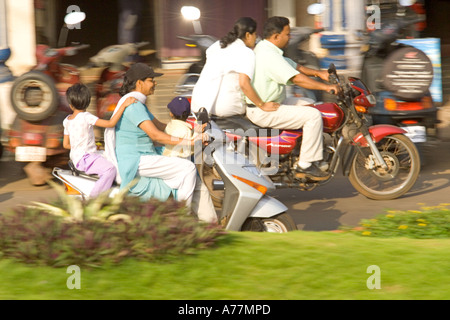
x,y
128,86
274,25
79,96
240,29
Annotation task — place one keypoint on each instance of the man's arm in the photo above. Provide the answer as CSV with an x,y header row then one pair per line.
x,y
322,74
249,91
306,82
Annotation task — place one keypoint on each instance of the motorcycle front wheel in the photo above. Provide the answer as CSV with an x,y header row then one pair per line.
x,y
279,224
403,167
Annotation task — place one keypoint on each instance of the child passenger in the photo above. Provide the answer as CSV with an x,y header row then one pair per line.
x,y
179,109
80,139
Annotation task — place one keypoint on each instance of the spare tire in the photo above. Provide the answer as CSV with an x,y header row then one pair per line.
x,y
34,96
407,73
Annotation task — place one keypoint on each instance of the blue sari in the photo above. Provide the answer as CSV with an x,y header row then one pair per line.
x,y
131,144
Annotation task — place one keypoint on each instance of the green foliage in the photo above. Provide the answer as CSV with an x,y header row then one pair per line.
x,y
102,230
428,223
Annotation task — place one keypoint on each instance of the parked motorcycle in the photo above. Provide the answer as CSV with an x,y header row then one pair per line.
x,y
246,206
380,161
399,77
305,58
187,82
202,42
38,97
112,59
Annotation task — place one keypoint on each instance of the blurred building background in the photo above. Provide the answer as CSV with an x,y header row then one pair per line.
x,y
159,22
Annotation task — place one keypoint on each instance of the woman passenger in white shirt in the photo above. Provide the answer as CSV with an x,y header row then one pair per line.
x,y
227,74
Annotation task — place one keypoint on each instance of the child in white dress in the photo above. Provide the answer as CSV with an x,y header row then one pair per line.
x,y
80,139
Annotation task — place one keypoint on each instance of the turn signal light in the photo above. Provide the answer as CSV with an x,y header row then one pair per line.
x,y
361,109
391,104
111,107
71,191
15,142
53,143
252,184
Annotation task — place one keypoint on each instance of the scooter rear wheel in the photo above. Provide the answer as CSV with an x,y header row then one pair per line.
x,y
279,224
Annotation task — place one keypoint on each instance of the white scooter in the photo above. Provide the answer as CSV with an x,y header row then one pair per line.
x,y
244,204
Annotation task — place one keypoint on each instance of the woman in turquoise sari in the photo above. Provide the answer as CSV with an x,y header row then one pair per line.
x,y
136,154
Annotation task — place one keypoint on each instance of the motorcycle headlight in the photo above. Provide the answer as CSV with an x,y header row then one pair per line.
x,y
371,99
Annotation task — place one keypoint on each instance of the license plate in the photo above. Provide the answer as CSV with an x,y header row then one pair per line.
x,y
30,154
416,133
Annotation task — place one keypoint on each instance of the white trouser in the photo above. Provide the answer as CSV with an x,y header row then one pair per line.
x,y
177,173
293,117
202,204
181,174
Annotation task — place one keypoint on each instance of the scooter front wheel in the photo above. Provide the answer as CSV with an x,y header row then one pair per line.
x,y
279,224
403,167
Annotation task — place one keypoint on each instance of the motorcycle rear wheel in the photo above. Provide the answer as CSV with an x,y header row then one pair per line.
x,y
279,224
34,96
403,160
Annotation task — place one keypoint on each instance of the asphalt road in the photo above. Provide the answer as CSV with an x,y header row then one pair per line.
x,y
325,208
338,203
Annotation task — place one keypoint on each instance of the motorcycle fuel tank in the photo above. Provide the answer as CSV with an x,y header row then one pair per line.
x,y
332,116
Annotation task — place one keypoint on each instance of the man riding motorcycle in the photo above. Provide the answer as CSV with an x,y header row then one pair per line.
x,y
272,72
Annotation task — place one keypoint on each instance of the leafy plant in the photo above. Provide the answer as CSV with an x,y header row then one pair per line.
x,y
101,208
101,230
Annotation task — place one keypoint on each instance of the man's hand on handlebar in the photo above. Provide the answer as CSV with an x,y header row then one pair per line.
x,y
322,74
333,89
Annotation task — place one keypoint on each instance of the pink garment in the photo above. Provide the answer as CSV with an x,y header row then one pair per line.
x,y
94,163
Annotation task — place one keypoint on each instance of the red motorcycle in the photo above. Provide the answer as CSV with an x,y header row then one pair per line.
x,y
380,161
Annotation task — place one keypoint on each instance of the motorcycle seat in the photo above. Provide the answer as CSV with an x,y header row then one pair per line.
x,y
241,124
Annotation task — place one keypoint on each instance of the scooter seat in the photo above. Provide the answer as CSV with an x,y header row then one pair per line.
x,y
241,124
80,173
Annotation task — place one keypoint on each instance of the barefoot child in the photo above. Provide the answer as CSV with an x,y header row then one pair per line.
x,y
80,139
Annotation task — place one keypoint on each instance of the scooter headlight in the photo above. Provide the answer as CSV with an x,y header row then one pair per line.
x,y
255,171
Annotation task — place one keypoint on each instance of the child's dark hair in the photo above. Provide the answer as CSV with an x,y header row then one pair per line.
x,y
240,29
182,117
79,96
